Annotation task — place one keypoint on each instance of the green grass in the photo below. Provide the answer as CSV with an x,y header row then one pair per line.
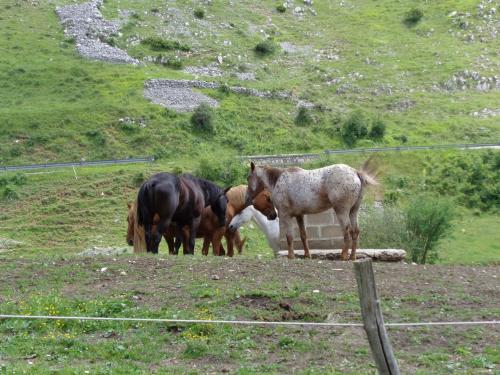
x,y
58,106
475,240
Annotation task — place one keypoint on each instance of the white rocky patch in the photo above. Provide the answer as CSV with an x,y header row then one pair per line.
x,y
85,23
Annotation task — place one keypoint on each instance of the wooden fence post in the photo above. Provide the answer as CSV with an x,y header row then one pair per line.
x,y
373,319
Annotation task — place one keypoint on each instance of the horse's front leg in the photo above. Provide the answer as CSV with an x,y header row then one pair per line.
x,y
303,235
287,223
193,228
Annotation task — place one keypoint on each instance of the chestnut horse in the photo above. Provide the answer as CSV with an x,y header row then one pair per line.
x,y
296,192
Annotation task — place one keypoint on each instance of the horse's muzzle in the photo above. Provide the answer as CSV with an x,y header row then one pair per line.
x,y
130,242
272,216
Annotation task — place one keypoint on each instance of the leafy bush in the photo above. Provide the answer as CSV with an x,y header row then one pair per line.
x,y
199,13
281,8
266,47
354,128
138,179
159,44
203,118
428,219
402,138
382,227
303,117
96,136
377,130
9,193
225,172
413,16
474,179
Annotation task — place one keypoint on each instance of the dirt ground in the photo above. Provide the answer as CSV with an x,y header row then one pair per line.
x,y
301,290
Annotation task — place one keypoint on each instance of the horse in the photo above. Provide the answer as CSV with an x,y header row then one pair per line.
x,y
296,192
135,233
179,199
270,227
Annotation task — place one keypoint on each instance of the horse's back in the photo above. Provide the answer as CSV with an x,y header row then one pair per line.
x,y
303,191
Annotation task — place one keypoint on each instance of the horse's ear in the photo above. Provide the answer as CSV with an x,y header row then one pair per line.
x,y
252,166
129,205
227,189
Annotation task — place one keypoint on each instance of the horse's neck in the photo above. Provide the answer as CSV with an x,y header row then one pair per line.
x,y
261,221
246,215
270,177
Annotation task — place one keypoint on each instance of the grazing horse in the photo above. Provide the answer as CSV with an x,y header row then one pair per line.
x,y
296,192
179,199
135,233
260,213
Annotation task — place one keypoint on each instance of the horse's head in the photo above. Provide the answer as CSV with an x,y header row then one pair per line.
x,y
219,207
254,182
131,224
263,203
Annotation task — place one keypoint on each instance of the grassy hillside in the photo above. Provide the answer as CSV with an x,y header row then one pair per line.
x,y
56,105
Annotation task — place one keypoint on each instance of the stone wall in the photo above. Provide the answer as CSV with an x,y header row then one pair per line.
x,y
323,232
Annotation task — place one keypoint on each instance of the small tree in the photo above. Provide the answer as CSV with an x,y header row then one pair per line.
x,y
199,13
354,128
281,8
413,16
266,47
203,118
377,130
428,219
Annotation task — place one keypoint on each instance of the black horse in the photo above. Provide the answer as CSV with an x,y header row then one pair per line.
x,y
179,200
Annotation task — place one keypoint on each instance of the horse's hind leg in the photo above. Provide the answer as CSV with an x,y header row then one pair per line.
x,y
303,235
345,225
354,229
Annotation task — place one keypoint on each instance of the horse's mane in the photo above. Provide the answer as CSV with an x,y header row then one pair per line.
x,y
236,196
210,190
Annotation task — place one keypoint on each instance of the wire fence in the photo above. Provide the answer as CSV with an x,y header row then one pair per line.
x,y
146,159
286,159
243,322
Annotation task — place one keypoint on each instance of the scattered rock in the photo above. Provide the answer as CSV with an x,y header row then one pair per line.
x,y
215,277
211,71
8,244
485,113
470,79
179,94
85,23
104,251
401,105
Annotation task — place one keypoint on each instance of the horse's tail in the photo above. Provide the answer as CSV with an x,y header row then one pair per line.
x,y
144,204
369,172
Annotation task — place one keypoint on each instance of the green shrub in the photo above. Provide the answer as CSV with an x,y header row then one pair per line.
x,y
281,8
173,63
225,172
266,47
160,44
377,131
473,179
428,219
413,16
96,136
382,228
138,179
9,193
354,128
303,117
199,13
203,118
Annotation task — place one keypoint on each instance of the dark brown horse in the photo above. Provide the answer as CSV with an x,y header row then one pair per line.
x,y
179,199
207,230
